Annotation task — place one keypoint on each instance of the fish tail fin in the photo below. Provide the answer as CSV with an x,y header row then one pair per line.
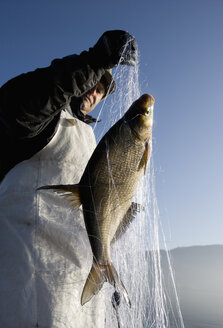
x,y
98,275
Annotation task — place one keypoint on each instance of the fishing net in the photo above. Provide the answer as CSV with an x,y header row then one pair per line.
x,y
136,255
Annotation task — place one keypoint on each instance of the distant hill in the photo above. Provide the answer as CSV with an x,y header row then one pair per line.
x,y
198,272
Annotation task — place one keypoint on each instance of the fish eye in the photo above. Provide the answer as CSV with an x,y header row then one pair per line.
x,y
149,109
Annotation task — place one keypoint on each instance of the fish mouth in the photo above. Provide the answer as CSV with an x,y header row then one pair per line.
x,y
147,99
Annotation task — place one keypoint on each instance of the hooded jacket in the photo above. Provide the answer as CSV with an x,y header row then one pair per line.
x,y
31,103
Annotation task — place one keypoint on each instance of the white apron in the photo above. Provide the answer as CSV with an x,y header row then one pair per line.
x,y
45,254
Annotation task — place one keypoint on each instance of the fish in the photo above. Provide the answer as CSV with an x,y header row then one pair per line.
x,y
106,190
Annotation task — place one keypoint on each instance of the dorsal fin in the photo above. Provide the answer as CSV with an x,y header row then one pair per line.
x,y
69,192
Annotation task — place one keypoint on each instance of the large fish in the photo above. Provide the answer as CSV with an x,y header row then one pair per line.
x,y
107,187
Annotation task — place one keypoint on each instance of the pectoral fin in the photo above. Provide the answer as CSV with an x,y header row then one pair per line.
x,y
69,192
126,221
144,158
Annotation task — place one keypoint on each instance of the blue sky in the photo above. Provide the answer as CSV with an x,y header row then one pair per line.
x,y
181,65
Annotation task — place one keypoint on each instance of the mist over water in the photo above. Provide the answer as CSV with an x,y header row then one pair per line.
x,y
136,255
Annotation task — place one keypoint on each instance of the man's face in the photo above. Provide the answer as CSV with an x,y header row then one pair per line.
x,y
92,98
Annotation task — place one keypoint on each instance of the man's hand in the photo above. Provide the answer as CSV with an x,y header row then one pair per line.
x,y
115,47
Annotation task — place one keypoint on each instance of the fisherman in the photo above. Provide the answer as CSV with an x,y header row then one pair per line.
x,y
45,138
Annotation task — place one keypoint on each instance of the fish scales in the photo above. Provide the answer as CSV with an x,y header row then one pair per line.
x,y
113,174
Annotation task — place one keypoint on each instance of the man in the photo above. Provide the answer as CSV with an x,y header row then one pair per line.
x,y
44,139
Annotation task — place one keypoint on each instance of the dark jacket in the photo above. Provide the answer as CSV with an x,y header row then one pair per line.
x,y
30,105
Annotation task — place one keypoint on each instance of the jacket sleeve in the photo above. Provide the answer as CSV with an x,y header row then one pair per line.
x,y
29,102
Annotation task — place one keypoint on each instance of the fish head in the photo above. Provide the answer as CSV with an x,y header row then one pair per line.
x,y
139,116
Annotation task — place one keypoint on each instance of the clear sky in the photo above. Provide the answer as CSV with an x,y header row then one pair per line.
x,y
181,65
